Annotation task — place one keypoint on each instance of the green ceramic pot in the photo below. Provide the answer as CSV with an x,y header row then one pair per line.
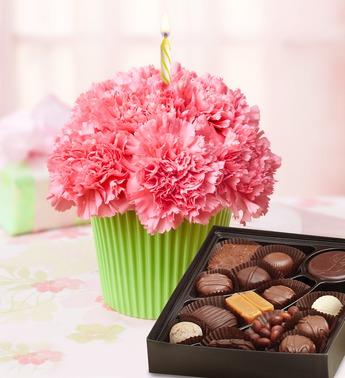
x,y
139,271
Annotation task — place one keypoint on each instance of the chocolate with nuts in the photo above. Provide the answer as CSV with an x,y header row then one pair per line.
x,y
268,328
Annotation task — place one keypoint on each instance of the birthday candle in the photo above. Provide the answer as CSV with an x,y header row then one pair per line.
x,y
165,51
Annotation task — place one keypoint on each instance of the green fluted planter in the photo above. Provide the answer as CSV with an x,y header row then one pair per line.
x,y
139,271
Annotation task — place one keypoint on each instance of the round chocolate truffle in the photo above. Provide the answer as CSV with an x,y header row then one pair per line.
x,y
183,331
278,295
297,344
280,261
328,304
252,276
232,344
213,284
328,266
313,326
231,255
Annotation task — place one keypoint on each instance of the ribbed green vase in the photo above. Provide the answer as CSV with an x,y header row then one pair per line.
x,y
139,271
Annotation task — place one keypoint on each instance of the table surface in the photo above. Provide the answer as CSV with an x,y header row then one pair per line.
x,y
53,322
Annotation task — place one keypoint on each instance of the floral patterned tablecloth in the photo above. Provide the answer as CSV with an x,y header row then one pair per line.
x,y
53,322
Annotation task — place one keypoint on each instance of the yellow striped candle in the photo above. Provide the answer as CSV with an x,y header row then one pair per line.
x,y
165,51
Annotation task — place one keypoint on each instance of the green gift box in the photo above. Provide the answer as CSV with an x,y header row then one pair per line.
x,y
23,204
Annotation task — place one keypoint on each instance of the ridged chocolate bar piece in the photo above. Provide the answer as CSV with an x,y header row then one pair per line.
x,y
215,317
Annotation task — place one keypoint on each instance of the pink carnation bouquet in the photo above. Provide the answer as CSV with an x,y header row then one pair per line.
x,y
175,152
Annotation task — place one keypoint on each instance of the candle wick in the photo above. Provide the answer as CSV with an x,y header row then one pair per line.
x,y
165,35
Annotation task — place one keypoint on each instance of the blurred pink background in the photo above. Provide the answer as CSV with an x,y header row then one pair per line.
x,y
287,56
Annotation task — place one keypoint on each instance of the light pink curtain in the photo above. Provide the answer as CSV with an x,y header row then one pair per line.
x,y
287,56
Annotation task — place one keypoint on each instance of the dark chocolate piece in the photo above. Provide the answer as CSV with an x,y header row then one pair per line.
x,y
213,284
215,317
278,295
293,310
231,255
251,276
328,265
233,344
297,344
313,326
280,261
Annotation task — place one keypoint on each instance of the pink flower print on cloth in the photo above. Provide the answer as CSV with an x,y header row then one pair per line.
x,y
55,286
39,357
100,299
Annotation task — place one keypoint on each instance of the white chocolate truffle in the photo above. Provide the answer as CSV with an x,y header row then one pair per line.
x,y
183,331
328,304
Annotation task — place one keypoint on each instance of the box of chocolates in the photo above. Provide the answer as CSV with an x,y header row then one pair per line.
x,y
255,304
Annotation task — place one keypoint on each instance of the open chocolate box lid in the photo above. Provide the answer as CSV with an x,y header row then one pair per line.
x,y
205,361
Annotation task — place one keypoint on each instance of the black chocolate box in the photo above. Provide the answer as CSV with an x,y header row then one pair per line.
x,y
202,361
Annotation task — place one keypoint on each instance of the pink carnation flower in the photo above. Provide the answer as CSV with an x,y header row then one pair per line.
x,y
90,172
248,173
169,152
175,175
210,98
